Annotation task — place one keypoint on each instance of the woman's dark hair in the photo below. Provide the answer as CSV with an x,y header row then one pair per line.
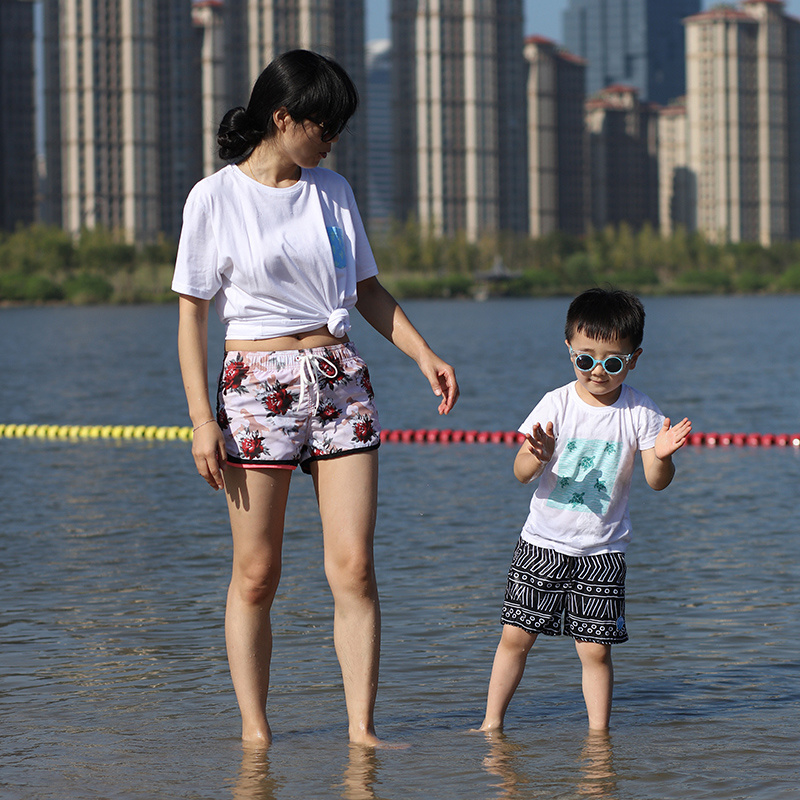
x,y
309,85
606,314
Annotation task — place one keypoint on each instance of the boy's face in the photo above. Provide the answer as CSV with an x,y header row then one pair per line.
x,y
597,387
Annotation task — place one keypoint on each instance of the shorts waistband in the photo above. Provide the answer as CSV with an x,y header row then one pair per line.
x,y
287,358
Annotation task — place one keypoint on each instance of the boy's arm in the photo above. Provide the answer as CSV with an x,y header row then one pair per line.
x,y
657,460
536,451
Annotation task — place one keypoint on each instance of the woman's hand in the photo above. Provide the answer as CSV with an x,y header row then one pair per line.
x,y
443,381
208,450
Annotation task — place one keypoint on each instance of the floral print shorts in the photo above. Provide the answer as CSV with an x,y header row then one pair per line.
x,y
290,407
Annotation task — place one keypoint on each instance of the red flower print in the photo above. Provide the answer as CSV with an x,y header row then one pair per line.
x,y
276,399
251,445
328,411
366,383
223,420
232,376
363,429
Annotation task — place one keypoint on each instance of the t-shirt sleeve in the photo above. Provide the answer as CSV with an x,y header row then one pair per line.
x,y
196,266
366,267
542,413
650,421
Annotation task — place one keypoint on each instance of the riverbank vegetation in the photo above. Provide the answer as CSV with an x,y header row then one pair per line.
x,y
46,264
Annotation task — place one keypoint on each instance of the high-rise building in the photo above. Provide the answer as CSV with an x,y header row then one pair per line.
x,y
557,143
633,42
122,101
17,132
258,30
379,143
675,180
742,109
623,138
459,115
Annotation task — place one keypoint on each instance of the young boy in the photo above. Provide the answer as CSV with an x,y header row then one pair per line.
x,y
580,442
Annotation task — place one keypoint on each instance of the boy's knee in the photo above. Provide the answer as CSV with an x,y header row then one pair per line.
x,y
515,638
593,652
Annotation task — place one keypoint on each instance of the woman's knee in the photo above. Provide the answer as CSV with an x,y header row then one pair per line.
x,y
256,582
352,574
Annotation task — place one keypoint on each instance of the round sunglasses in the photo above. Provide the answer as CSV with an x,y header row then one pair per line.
x,y
613,365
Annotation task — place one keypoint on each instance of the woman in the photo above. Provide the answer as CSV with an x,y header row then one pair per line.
x,y
279,245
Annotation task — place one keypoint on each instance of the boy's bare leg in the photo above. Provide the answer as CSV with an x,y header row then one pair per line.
x,y
598,682
347,494
257,504
507,669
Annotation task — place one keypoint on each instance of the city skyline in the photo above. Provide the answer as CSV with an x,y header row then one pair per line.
x,y
542,17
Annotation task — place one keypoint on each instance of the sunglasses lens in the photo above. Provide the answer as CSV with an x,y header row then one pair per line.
x,y
331,131
584,363
613,365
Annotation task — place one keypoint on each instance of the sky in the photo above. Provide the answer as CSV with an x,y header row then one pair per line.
x,y
542,17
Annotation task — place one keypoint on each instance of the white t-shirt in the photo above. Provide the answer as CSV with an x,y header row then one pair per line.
x,y
278,261
580,505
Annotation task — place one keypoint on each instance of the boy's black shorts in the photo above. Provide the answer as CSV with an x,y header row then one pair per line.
x,y
581,596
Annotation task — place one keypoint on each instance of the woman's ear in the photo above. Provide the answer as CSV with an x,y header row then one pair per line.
x,y
281,119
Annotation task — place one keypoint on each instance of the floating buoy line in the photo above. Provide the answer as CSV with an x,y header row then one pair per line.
x,y
404,436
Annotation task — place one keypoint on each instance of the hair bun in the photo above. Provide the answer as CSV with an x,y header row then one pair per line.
x,y
237,135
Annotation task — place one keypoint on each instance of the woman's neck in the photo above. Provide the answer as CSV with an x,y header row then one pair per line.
x,y
266,166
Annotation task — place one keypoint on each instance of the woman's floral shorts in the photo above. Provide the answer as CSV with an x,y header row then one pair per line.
x,y
290,407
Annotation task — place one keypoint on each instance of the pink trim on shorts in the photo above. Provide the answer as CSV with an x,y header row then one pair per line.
x,y
260,466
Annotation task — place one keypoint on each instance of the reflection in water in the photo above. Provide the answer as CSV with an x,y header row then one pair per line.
x,y
598,778
360,774
501,763
595,776
255,782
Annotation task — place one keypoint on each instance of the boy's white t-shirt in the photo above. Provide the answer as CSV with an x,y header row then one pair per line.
x,y
278,261
580,505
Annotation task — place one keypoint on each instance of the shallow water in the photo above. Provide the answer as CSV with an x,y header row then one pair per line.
x,y
113,679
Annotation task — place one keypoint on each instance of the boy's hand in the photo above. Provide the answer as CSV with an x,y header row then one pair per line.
x,y
542,442
670,439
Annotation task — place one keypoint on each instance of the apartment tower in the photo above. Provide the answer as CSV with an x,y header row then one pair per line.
x,y
633,42
742,109
557,144
675,180
17,134
623,142
258,30
459,115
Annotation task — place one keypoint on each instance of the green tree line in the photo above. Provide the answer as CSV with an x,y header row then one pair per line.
x,y
41,264
45,263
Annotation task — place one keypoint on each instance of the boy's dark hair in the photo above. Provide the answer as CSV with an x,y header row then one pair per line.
x,y
606,314
309,85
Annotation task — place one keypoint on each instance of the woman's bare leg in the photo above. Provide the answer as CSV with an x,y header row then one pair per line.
x,y
347,494
257,506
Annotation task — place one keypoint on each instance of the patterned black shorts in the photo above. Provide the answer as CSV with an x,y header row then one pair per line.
x,y
581,596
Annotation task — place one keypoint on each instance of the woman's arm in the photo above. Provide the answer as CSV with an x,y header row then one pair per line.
x,y
383,312
208,445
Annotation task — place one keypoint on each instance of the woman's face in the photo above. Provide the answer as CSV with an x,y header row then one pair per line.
x,y
302,142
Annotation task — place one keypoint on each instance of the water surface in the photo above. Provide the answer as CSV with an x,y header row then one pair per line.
x,y
113,679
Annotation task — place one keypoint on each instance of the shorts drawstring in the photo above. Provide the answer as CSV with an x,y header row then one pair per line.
x,y
311,371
